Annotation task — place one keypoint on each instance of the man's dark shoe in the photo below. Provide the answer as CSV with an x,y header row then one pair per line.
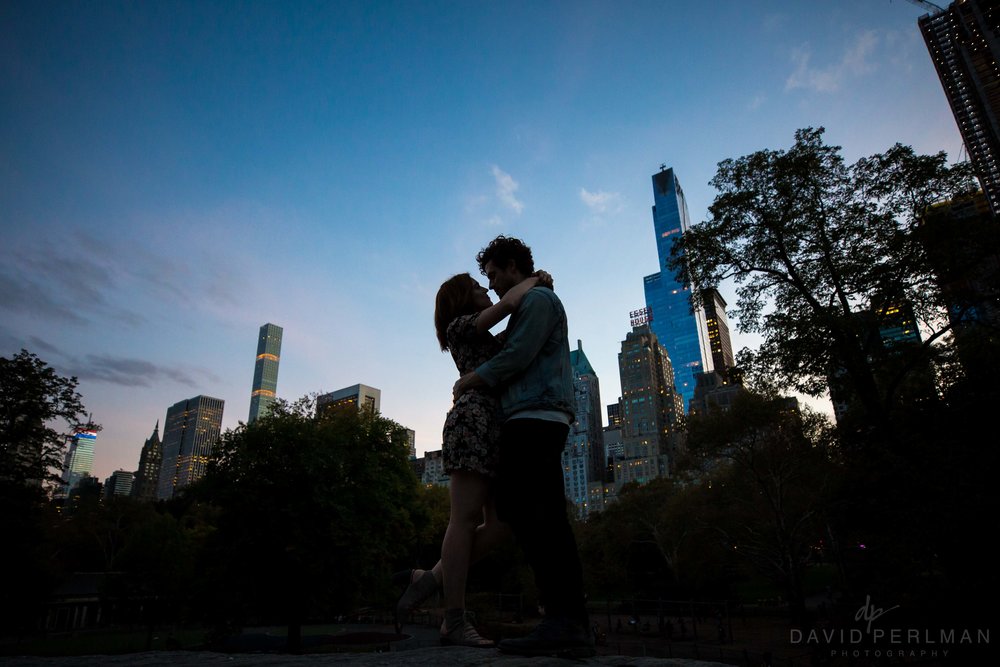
x,y
557,637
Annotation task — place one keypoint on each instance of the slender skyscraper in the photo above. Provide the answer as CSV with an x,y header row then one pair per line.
x,y
964,43
191,431
265,372
679,329
583,458
588,424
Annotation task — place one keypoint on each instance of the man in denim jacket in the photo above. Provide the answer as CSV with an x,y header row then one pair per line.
x,y
533,376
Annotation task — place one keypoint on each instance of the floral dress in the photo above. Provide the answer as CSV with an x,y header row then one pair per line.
x,y
472,427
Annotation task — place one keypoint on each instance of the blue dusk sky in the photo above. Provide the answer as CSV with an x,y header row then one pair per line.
x,y
175,174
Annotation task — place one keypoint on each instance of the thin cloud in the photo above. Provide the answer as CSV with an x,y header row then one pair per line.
x,y
39,344
506,187
600,201
854,62
18,294
47,283
130,372
757,102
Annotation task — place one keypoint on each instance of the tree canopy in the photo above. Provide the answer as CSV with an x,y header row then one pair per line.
x,y
771,478
312,513
822,252
39,409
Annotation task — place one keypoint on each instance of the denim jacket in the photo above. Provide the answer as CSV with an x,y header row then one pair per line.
x,y
533,368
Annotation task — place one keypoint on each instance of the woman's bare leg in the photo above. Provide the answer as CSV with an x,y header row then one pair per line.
x,y
487,533
469,492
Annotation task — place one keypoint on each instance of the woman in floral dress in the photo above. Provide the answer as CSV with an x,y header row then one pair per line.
x,y
463,317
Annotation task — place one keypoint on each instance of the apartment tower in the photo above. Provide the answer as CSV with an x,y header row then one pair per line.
x,y
964,43
190,432
265,372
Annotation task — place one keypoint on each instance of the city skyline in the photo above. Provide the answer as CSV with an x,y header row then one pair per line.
x,y
174,175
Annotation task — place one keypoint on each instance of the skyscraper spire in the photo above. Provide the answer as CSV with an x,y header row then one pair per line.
x,y
148,474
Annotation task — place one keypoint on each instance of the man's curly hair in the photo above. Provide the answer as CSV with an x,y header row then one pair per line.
x,y
502,250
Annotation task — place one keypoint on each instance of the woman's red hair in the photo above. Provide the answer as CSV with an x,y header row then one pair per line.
x,y
454,298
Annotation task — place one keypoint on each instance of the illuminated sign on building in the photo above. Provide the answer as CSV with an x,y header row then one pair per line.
x,y
641,316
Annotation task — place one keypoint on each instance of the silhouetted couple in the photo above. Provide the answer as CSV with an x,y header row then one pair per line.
x,y
502,447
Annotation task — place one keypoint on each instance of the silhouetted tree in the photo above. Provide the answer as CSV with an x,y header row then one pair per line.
x,y
771,481
654,541
822,251
39,410
312,513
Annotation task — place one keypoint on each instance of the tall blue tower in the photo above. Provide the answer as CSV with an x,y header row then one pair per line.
x,y
681,330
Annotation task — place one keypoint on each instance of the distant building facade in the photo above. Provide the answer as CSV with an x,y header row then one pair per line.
x,y
358,397
190,432
411,442
680,328
588,423
650,407
79,459
265,372
583,456
615,413
962,240
714,392
891,339
119,484
719,341
614,446
147,477
964,43
86,492
433,470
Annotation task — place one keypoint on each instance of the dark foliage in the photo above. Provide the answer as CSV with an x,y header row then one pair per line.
x,y
312,513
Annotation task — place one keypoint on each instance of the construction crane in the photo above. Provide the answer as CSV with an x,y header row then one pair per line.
x,y
929,6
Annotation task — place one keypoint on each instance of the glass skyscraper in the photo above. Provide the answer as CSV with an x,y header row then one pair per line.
x,y
265,372
79,459
681,330
191,431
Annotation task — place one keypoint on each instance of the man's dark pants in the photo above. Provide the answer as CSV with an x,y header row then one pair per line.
x,y
531,499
